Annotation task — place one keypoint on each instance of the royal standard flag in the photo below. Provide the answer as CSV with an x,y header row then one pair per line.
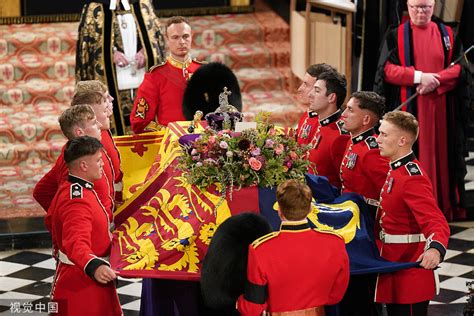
x,y
167,224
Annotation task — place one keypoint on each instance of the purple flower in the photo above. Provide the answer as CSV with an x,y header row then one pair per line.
x,y
223,145
261,159
255,152
269,143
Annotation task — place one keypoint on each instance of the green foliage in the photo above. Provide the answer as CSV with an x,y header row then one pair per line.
x,y
265,156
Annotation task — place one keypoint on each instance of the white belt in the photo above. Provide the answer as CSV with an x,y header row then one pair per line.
x,y
63,258
118,186
401,239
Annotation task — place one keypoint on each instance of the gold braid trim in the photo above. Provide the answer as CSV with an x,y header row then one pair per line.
x,y
33,19
58,18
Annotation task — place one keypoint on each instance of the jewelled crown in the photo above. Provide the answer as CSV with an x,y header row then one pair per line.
x,y
226,115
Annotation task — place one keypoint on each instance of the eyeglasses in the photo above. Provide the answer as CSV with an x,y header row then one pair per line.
x,y
423,8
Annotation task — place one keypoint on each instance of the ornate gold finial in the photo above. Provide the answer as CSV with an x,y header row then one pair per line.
x,y
196,119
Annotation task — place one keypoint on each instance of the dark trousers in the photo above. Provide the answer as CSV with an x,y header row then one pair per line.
x,y
359,297
416,309
169,298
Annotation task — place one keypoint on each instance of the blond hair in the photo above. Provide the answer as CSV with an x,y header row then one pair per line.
x,y
89,92
404,121
76,116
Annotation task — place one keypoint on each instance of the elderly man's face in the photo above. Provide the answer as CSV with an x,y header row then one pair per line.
x,y
420,11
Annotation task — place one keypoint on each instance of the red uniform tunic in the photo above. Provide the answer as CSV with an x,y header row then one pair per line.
x,y
363,170
294,269
430,108
46,188
307,127
79,227
160,96
329,143
407,206
113,156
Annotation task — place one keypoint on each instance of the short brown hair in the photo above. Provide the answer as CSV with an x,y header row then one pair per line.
x,y
335,83
75,116
79,147
90,86
87,97
404,121
294,200
175,20
369,100
316,69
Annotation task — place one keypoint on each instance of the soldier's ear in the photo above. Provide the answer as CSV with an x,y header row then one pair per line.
x,y
78,131
402,141
83,165
366,120
332,98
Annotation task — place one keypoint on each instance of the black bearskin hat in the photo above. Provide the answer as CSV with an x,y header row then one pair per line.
x,y
224,269
204,87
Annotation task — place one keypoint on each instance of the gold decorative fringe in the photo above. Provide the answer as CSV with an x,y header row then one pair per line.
x,y
205,11
32,19
56,18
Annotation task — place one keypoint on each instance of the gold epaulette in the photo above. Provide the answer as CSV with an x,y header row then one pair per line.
x,y
328,232
156,66
263,239
202,62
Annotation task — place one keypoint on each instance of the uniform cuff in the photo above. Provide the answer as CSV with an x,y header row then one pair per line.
x,y
417,77
93,265
255,293
438,246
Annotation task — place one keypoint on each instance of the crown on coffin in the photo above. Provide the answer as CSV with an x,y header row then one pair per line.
x,y
226,115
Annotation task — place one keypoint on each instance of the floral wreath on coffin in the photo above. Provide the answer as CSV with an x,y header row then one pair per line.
x,y
264,156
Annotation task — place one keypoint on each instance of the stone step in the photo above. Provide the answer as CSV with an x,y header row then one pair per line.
x,y
213,31
267,79
29,65
208,31
50,39
285,110
238,56
30,123
35,91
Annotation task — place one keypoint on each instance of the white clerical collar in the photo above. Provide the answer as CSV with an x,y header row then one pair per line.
x,y
113,5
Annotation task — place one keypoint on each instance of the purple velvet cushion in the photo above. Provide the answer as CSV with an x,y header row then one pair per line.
x,y
186,140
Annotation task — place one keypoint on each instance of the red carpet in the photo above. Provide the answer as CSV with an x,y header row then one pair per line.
x,y
37,82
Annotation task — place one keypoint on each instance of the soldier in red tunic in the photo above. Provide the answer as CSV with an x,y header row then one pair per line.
x,y
363,171
76,121
413,228
79,227
308,123
330,139
160,96
297,269
94,92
